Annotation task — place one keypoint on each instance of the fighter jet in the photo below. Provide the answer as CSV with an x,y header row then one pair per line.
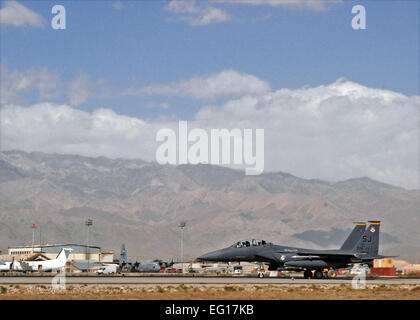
x,y
361,246
127,265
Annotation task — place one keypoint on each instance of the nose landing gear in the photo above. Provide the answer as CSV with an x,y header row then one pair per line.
x,y
260,271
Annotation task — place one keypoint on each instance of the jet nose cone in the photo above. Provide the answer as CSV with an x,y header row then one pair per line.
x,y
204,257
211,256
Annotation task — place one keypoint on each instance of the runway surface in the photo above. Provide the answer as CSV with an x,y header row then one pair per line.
x,y
201,280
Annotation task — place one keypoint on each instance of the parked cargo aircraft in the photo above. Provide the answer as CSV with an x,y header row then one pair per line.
x,y
127,265
361,246
32,266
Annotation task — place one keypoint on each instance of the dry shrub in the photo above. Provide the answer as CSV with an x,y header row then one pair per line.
x,y
182,287
230,288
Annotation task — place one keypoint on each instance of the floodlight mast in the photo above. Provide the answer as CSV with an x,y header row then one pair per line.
x,y
182,225
33,227
88,223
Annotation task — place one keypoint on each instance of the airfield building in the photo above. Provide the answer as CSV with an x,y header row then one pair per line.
x,y
50,251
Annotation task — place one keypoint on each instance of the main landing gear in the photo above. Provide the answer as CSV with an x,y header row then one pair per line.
x,y
319,274
316,274
307,274
331,274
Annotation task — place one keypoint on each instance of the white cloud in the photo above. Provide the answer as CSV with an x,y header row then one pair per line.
x,y
17,15
316,5
188,10
334,132
60,128
118,5
227,83
40,85
79,89
16,85
194,15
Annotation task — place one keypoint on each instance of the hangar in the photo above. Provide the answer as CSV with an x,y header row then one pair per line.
x,y
50,251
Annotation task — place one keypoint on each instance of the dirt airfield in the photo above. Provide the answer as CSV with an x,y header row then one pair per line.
x,y
210,292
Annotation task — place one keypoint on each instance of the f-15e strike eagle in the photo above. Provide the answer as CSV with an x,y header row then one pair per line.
x,y
361,246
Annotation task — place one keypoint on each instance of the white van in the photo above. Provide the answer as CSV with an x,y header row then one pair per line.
x,y
107,270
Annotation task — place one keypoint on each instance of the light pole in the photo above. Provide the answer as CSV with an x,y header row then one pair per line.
x,y
182,225
33,227
88,223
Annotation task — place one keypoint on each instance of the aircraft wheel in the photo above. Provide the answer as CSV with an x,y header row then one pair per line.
x,y
318,274
260,275
331,273
307,274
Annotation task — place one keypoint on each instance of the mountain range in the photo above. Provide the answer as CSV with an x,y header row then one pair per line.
x,y
141,204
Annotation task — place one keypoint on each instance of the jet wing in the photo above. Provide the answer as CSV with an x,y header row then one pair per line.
x,y
338,253
266,256
323,253
377,257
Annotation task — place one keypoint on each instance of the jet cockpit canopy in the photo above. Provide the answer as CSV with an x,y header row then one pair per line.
x,y
250,242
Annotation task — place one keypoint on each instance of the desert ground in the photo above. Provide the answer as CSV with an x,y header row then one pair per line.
x,y
211,292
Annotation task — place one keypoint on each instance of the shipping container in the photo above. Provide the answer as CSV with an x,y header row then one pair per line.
x,y
383,271
383,263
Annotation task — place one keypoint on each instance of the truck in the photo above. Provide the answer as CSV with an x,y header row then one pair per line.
x,y
107,269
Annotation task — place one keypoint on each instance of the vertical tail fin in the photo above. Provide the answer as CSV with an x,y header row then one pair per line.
x,y
354,236
368,244
63,255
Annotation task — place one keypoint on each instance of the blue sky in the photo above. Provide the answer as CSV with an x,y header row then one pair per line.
x,y
335,103
289,48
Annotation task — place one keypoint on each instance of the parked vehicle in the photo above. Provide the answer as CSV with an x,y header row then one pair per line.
x,y
237,270
107,270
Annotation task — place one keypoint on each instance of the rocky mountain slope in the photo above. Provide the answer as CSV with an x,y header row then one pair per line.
x,y
141,204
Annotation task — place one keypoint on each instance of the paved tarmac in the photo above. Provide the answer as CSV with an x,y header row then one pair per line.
x,y
200,280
